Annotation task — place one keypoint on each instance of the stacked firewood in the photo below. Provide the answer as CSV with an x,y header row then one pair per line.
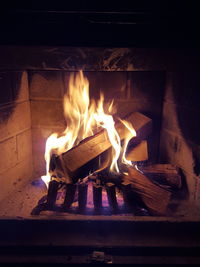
x,y
149,187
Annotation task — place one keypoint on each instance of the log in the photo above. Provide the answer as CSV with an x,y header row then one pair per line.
x,y
165,174
93,146
155,198
138,152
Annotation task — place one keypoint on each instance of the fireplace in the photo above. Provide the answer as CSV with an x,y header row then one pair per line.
x,y
151,81
32,109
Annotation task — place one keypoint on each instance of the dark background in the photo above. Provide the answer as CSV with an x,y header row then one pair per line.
x,y
100,23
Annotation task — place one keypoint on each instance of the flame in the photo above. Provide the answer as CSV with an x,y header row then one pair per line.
x,y
131,134
107,122
84,117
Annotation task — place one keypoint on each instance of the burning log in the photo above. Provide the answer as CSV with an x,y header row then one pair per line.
x,y
93,146
82,196
112,199
69,197
165,174
138,152
97,197
155,198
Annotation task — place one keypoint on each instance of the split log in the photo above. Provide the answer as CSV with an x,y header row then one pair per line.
x,y
138,152
166,174
155,198
93,146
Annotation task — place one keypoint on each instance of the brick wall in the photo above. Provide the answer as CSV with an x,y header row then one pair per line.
x,y
15,131
180,141
133,91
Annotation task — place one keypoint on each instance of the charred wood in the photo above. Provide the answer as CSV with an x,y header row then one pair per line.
x,y
105,176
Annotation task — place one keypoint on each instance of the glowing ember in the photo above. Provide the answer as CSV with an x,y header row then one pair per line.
x,y
84,117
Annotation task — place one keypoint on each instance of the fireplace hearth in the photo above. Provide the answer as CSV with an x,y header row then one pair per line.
x,y
152,82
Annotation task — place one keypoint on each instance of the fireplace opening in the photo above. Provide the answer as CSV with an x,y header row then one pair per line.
x,y
161,103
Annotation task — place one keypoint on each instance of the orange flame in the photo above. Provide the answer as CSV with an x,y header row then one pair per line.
x,y
84,117
131,134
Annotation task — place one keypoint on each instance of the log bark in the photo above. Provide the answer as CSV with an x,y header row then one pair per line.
x,y
93,146
155,198
166,174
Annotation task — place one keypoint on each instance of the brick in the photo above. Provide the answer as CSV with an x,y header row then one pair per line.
x,y
170,118
46,84
125,107
112,84
183,88
182,121
47,113
190,91
14,119
9,154
39,165
11,179
5,87
20,86
147,85
24,145
174,87
176,150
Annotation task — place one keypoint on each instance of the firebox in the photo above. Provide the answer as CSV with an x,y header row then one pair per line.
x,y
150,82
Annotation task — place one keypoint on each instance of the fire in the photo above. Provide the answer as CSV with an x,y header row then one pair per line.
x,y
130,135
84,117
